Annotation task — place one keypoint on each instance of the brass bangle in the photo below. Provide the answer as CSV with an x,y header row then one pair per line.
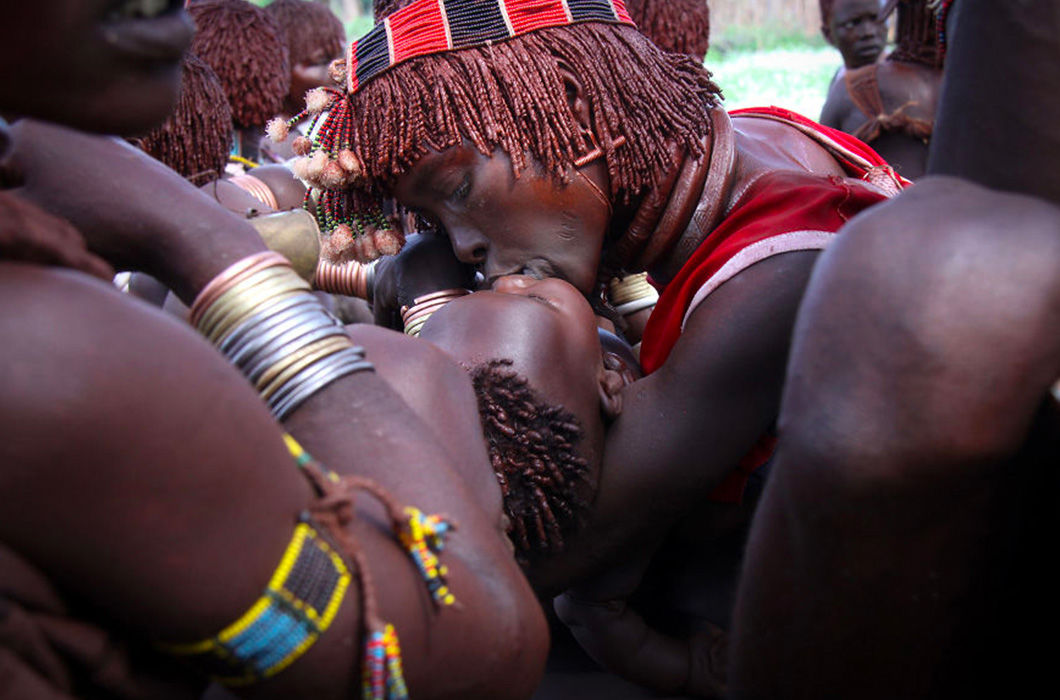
x,y
631,288
280,373
237,291
233,307
349,279
229,276
423,307
256,188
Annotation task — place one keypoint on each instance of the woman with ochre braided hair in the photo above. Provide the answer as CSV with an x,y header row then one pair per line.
x,y
551,139
245,47
314,37
203,535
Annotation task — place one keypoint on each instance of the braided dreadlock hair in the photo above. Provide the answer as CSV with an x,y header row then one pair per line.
x,y
532,448
196,138
308,27
508,95
678,26
918,35
245,47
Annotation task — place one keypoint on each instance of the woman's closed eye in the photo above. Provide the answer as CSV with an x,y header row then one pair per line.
x,y
462,190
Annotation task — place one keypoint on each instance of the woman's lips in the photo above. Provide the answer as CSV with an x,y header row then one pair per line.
x,y
161,38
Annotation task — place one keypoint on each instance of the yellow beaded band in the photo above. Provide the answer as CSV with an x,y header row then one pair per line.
x,y
298,605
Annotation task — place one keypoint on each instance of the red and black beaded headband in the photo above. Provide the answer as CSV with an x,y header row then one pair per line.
x,y
434,26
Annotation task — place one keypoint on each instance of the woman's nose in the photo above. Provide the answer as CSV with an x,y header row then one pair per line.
x,y
469,246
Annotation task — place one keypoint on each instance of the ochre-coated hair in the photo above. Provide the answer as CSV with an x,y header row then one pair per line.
x,y
196,139
917,34
245,47
532,447
512,96
678,26
308,27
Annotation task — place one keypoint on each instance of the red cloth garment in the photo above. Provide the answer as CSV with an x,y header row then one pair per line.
x,y
780,212
856,157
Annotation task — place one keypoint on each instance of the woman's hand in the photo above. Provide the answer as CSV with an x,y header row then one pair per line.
x,y
426,264
620,640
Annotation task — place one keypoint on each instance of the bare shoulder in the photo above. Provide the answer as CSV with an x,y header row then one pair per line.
x,y
838,107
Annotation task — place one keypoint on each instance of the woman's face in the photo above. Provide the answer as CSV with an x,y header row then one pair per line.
x,y
530,225
102,65
308,74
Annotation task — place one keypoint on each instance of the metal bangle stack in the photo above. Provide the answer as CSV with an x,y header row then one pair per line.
x,y
265,319
353,279
415,316
632,293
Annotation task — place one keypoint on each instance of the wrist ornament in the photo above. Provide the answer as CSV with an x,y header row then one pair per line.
x,y
632,293
265,319
423,307
352,279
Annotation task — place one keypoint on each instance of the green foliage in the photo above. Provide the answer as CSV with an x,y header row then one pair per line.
x,y
795,75
359,27
735,39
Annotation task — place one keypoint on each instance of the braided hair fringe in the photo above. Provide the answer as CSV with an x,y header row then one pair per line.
x,y
677,26
511,96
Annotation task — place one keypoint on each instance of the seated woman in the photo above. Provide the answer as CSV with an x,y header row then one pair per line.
x,y
891,105
566,145
245,47
196,527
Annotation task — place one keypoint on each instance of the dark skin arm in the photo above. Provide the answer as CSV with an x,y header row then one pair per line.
x,y
657,468
166,513
906,458
924,351
838,107
685,427
129,386
1004,138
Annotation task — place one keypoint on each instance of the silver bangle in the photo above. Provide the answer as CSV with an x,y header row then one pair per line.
x,y
275,333
258,368
632,307
229,342
282,409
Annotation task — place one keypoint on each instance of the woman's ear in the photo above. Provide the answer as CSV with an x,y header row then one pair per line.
x,y
579,105
614,378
